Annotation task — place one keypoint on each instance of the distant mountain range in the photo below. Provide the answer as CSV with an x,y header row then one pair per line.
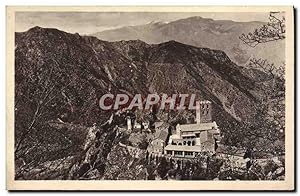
x,y
202,32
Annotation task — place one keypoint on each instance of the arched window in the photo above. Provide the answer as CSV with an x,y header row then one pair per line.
x,y
180,144
193,143
189,143
184,143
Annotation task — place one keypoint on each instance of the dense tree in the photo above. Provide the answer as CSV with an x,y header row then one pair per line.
x,y
265,131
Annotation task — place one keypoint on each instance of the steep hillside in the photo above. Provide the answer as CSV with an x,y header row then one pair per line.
x,y
81,69
59,78
173,67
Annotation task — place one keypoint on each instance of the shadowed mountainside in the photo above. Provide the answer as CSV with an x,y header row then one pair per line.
x,y
80,69
59,78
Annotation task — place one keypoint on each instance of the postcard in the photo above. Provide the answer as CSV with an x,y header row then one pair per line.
x,y
150,98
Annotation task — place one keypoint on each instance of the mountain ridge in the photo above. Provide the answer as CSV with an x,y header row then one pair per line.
x,y
202,32
59,78
80,69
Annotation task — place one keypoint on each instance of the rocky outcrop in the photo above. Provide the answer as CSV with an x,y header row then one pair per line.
x,y
125,163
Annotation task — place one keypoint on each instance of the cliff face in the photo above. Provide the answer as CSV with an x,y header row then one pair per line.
x,y
60,77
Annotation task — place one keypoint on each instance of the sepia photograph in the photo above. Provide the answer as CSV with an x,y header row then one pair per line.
x,y
150,98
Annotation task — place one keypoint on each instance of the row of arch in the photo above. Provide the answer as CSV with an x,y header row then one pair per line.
x,y
184,143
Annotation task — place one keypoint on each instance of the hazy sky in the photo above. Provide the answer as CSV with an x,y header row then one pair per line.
x,y
91,22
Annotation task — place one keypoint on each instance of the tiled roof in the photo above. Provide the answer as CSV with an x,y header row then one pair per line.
x,y
161,131
201,126
163,135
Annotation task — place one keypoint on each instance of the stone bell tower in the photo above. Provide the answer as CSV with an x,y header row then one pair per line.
x,y
203,112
